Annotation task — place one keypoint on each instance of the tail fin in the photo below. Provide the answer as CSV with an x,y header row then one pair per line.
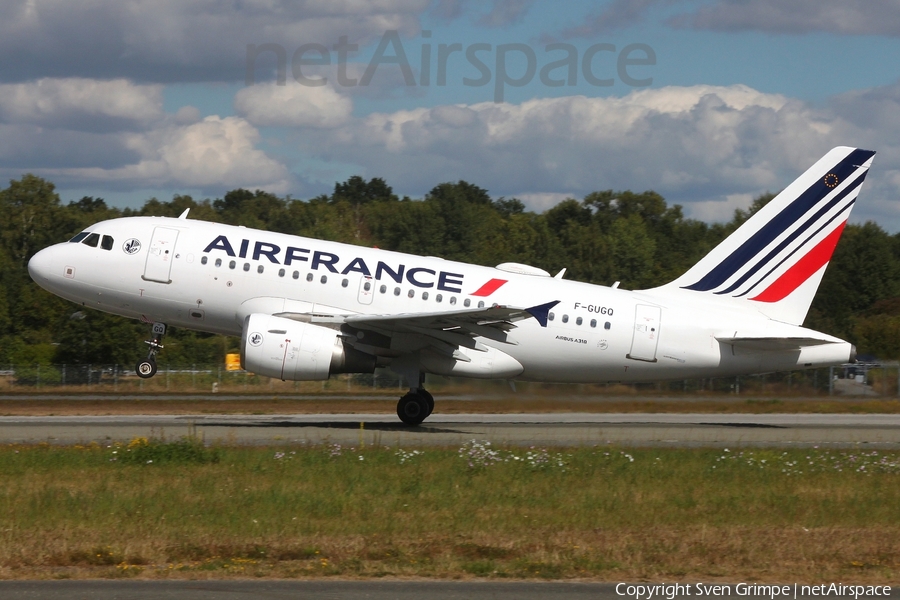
x,y
777,258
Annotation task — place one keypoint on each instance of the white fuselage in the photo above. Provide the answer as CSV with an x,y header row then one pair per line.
x,y
210,277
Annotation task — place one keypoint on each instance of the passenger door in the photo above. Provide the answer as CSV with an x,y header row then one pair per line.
x,y
646,333
160,255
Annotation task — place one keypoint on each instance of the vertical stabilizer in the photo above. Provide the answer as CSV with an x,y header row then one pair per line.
x,y
777,258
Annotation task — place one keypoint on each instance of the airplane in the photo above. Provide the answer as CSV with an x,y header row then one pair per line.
x,y
306,309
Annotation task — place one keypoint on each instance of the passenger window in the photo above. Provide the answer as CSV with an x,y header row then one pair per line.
x,y
260,269
246,266
107,242
367,286
424,295
411,294
481,304
92,240
607,325
344,283
452,299
309,276
232,264
383,289
204,260
565,319
438,298
467,303
296,275
396,291
324,279
579,321
593,322
218,262
281,272
79,237
551,316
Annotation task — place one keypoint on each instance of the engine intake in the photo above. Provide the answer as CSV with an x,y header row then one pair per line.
x,y
295,351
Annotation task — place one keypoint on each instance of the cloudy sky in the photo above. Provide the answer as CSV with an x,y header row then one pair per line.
x,y
708,102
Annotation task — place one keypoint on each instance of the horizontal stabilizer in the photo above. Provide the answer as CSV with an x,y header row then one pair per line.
x,y
773,343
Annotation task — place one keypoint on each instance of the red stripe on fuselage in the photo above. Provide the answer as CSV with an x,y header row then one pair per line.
x,y
794,277
489,288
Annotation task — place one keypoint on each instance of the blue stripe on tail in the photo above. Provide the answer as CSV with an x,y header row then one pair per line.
x,y
793,236
775,227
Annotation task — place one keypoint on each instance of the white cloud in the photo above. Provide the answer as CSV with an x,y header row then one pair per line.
x,y
506,12
172,40
612,16
539,202
80,104
796,16
670,138
706,147
215,153
293,105
720,211
93,132
771,16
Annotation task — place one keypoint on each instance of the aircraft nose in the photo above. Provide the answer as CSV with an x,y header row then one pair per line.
x,y
41,265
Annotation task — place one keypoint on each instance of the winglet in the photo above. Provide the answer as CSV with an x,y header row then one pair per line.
x,y
541,312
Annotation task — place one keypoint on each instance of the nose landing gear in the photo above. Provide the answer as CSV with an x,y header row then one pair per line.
x,y
147,368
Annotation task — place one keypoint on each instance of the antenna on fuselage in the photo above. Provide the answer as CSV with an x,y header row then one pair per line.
x,y
184,214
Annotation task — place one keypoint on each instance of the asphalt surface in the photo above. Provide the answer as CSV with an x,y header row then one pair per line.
x,y
559,429
352,590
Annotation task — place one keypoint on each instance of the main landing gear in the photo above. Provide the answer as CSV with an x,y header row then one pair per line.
x,y
147,368
415,407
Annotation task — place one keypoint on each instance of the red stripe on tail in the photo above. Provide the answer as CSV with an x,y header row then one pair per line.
x,y
804,268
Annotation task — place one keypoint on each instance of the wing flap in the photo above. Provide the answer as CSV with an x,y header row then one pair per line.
x,y
773,344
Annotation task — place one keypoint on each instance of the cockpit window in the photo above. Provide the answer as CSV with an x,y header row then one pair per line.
x,y
92,240
107,242
79,237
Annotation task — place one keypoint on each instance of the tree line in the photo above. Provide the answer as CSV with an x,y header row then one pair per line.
x,y
634,238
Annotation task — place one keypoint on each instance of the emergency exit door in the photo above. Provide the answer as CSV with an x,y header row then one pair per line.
x,y
160,255
366,290
646,333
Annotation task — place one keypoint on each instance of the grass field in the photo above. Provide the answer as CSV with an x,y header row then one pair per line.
x,y
151,509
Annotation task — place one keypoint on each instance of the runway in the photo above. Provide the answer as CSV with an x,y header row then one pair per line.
x,y
554,429
351,590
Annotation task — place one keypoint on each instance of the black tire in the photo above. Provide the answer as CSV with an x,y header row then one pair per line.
x,y
429,400
146,369
412,409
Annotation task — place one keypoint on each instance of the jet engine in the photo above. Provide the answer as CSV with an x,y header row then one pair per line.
x,y
291,350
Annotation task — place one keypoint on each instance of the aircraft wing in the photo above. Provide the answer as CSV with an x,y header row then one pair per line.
x,y
773,343
493,323
445,331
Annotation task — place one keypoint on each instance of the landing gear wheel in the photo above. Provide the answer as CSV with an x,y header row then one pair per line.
x,y
146,368
429,400
412,409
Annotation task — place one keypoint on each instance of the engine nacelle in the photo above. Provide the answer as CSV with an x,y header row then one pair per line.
x,y
291,350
